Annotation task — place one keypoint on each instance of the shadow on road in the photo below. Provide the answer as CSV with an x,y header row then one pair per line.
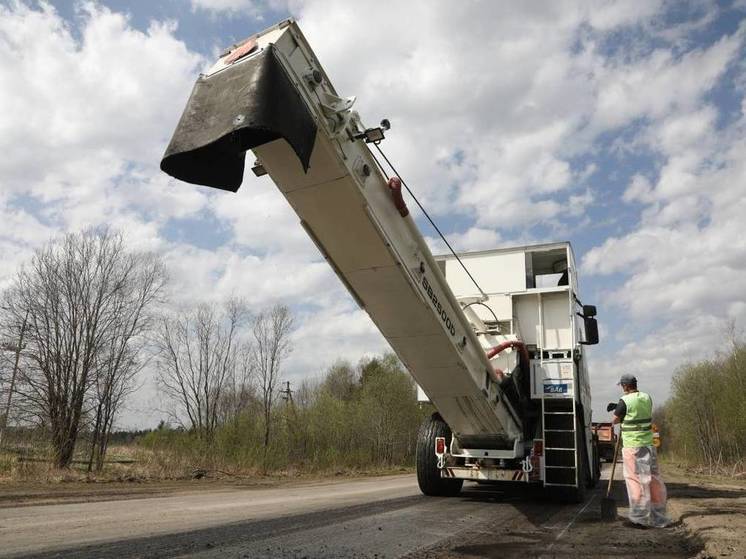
x,y
543,528
535,507
690,491
196,541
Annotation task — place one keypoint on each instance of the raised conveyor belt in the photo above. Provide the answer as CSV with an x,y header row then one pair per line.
x,y
277,101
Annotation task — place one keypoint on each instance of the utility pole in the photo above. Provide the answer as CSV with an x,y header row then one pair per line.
x,y
287,394
13,375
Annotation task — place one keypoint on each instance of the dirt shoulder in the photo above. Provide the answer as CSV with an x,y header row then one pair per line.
x,y
712,510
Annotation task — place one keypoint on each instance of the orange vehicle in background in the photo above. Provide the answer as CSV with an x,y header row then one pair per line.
x,y
656,436
606,437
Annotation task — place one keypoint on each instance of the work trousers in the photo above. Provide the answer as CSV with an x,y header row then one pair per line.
x,y
645,487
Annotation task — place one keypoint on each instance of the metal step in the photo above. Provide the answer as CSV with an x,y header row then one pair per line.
x,y
559,430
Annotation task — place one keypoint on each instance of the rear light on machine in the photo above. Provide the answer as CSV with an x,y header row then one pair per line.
x,y
535,460
538,449
440,446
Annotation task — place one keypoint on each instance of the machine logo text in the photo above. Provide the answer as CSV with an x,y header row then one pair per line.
x,y
438,306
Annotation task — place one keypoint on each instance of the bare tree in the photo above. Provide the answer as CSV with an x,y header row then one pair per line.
x,y
120,359
240,394
197,362
271,332
74,290
8,398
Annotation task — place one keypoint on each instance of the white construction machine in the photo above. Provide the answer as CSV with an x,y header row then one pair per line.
x,y
495,340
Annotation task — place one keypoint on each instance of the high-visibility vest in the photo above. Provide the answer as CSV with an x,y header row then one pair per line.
x,y
637,428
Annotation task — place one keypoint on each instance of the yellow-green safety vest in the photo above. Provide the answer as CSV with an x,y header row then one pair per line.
x,y
637,428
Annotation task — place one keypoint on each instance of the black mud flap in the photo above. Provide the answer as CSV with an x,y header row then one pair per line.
x,y
244,106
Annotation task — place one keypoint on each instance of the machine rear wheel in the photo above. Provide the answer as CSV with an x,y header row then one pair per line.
x,y
596,470
585,474
428,474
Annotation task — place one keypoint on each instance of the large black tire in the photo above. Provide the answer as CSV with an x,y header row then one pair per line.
x,y
571,494
577,495
428,474
596,466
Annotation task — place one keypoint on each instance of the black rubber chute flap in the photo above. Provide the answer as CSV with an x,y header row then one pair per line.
x,y
244,106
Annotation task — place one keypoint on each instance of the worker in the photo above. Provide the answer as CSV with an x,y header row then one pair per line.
x,y
645,487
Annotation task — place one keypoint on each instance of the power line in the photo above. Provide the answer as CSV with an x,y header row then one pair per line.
x,y
393,169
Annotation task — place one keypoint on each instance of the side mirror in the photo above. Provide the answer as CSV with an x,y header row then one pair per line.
x,y
591,331
589,311
611,406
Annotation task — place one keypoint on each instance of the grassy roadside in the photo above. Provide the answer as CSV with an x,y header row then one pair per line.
x,y
134,463
28,493
132,472
131,464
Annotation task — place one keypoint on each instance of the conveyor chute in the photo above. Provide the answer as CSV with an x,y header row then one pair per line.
x,y
307,139
243,106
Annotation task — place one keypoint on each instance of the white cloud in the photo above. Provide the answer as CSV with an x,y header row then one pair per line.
x,y
654,357
684,264
493,95
85,120
85,117
336,331
639,189
113,94
261,219
251,8
658,83
474,238
610,14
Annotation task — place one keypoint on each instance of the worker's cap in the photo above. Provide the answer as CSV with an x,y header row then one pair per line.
x,y
627,379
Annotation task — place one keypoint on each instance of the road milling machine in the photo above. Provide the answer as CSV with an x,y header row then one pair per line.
x,y
495,340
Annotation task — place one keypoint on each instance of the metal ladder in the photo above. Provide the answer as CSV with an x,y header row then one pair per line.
x,y
560,441
559,429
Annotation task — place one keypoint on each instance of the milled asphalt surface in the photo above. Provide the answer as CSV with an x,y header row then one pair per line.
x,y
374,517
365,518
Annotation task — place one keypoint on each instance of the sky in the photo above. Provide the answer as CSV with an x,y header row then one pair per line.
x,y
619,126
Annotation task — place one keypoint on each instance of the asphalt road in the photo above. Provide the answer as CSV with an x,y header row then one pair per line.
x,y
372,518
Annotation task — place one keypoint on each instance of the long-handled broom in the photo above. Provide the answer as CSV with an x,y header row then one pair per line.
x,y
608,504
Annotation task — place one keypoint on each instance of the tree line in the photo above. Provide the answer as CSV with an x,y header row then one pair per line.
x,y
82,318
215,365
76,317
354,416
704,420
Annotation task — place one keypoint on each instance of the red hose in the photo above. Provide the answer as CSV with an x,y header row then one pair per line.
x,y
395,186
518,345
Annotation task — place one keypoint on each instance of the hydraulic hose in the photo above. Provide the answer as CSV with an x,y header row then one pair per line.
x,y
517,344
